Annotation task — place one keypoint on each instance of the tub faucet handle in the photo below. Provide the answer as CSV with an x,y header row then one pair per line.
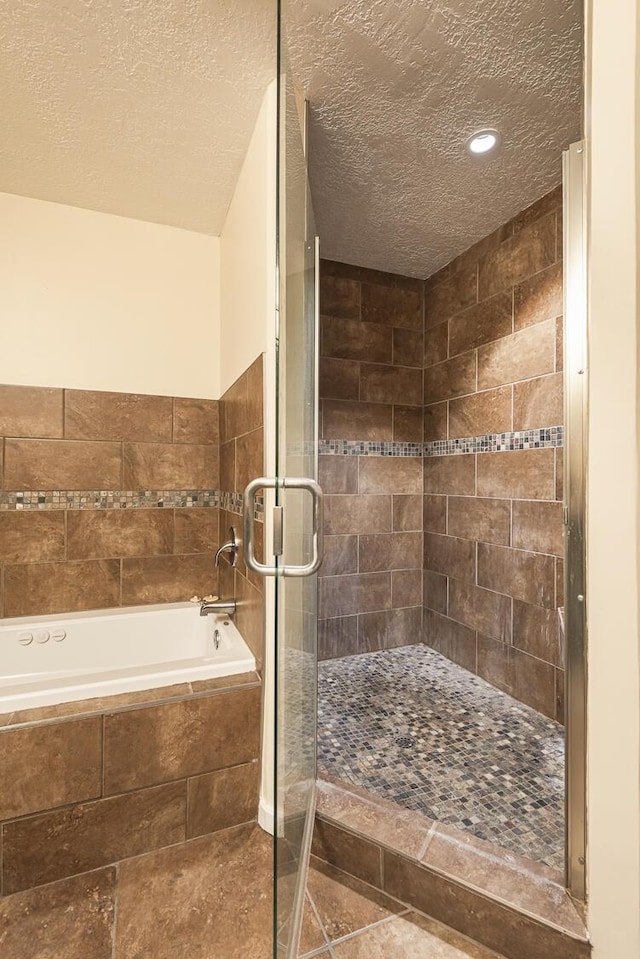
x,y
231,547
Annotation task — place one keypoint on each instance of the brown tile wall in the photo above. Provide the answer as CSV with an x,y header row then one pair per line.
x,y
68,560
371,388
242,460
145,771
493,541
123,781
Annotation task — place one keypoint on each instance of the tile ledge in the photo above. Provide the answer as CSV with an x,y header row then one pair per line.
x,y
86,708
520,868
582,937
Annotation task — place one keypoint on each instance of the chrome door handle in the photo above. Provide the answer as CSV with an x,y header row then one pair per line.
x,y
248,506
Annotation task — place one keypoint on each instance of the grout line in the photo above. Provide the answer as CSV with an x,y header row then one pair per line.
x,y
116,902
374,925
103,718
427,841
510,543
324,950
316,913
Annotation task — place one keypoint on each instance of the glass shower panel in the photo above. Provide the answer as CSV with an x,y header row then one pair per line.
x,y
296,603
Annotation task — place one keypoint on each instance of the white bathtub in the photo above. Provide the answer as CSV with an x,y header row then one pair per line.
x,y
47,660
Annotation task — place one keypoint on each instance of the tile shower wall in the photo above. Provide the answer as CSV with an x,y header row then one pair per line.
x,y
371,389
493,533
241,460
106,499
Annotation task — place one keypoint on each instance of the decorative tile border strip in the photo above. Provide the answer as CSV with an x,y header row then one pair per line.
x,y
122,499
545,438
232,502
548,437
368,448
107,499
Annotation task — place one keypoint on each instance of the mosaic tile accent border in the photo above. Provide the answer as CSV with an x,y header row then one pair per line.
x,y
548,437
122,499
106,499
232,503
368,448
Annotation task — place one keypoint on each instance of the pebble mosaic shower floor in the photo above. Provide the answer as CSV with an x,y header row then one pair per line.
x,y
412,727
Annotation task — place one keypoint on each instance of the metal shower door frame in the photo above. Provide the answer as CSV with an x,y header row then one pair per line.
x,y
575,460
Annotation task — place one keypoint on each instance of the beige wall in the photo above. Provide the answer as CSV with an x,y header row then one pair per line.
x,y
247,329
247,253
612,587
94,301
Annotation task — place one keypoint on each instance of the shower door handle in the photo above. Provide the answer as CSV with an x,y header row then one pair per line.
x,y
248,506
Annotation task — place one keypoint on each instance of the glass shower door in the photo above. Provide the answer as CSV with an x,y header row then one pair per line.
x,y
293,513
296,601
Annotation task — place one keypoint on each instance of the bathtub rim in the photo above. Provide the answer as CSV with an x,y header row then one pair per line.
x,y
136,681
21,622
85,710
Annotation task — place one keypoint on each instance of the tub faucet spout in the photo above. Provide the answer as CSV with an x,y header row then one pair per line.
x,y
227,606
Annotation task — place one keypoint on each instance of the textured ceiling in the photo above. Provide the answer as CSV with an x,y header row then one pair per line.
x,y
142,108
396,87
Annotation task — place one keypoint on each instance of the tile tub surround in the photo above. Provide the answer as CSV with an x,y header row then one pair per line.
x,y
371,386
411,726
493,542
106,499
89,785
242,459
498,899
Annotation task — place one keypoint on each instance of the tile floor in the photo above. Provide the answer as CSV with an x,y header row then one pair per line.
x,y
211,898
345,919
409,725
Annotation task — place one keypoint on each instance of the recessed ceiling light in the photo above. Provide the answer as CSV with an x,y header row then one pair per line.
x,y
484,141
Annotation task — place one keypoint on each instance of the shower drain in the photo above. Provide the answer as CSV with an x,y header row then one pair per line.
x,y
405,742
